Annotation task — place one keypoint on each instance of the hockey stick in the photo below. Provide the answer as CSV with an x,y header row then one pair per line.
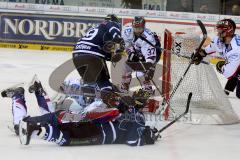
x,y
139,80
204,32
151,79
177,118
169,51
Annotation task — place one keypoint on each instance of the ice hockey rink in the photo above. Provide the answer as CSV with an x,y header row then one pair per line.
x,y
179,142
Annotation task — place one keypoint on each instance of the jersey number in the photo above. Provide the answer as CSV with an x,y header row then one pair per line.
x,y
90,34
151,51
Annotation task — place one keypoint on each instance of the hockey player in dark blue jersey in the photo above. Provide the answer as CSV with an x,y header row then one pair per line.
x,y
66,127
100,44
127,128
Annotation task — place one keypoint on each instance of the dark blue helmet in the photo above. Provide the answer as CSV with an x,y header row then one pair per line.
x,y
112,17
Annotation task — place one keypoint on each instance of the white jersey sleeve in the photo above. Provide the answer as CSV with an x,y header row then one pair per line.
x,y
230,52
212,47
128,37
232,56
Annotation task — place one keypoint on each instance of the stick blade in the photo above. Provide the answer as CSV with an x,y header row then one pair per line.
x,y
201,25
188,102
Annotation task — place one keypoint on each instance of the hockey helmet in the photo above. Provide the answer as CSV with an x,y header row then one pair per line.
x,y
138,24
225,27
112,17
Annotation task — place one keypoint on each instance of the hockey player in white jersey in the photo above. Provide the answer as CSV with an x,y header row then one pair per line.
x,y
69,104
141,45
227,43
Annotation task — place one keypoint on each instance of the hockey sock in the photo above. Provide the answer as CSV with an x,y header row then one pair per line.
x,y
53,134
19,108
238,87
230,85
44,103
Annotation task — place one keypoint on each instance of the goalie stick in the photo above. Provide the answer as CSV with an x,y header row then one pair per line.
x,y
204,32
177,118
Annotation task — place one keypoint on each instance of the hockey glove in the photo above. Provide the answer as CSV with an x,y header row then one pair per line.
x,y
140,97
134,56
198,57
219,66
150,135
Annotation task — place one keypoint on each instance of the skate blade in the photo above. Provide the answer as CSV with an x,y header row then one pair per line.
x,y
34,79
23,137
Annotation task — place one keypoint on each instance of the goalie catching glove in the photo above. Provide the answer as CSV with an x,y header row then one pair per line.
x,y
198,57
219,66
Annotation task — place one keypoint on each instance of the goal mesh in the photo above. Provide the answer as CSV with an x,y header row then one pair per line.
x,y
209,104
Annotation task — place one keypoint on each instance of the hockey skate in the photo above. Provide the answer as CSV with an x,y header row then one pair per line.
x,y
25,131
36,86
10,92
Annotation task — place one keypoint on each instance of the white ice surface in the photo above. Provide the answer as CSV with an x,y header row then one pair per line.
x,y
180,142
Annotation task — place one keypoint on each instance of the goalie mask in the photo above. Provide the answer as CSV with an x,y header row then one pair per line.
x,y
138,25
225,28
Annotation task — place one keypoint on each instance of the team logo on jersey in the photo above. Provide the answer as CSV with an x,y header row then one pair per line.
x,y
127,31
83,47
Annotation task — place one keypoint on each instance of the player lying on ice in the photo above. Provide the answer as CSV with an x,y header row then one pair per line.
x,y
227,43
64,127
69,102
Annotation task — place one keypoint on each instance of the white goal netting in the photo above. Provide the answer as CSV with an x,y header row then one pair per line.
x,y
209,104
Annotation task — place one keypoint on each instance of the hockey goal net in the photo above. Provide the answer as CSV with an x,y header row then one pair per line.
x,y
209,104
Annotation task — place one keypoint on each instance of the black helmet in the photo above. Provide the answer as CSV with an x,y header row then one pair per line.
x,y
112,17
138,22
